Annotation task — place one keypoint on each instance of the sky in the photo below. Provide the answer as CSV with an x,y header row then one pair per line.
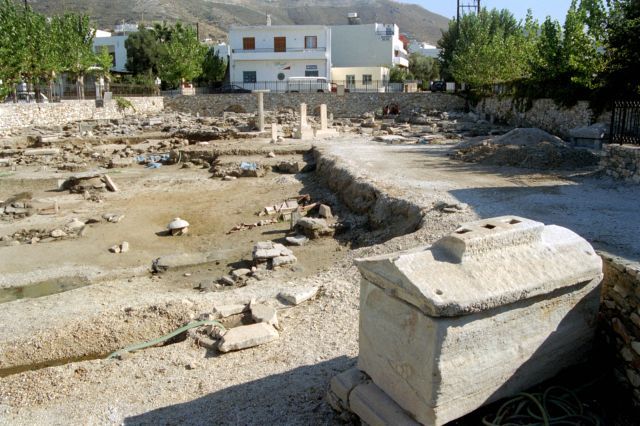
x,y
557,9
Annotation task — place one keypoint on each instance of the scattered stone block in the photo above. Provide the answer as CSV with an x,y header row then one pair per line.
x,y
239,273
115,249
291,167
510,299
283,260
223,311
58,233
297,240
265,250
124,247
298,295
374,407
342,385
247,336
227,280
325,211
264,313
313,228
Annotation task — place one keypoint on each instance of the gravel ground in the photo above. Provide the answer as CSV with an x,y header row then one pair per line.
x,y
284,382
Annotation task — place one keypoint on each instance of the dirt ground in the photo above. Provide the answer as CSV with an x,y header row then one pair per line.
x,y
64,336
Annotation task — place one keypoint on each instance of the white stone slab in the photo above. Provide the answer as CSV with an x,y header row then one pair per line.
x,y
247,336
448,328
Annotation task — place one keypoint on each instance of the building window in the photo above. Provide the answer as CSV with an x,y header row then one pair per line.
x,y
249,77
351,80
366,79
310,42
311,73
281,76
279,44
249,43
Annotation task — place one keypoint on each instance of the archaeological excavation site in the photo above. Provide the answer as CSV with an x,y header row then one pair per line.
x,y
317,258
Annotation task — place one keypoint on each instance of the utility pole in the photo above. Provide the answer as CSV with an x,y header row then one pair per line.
x,y
467,6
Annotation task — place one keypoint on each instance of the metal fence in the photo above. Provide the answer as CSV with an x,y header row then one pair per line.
x,y
319,85
69,91
625,122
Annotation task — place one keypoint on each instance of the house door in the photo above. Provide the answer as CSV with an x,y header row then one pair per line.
x,y
279,44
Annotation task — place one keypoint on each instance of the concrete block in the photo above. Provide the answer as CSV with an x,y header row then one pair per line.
x,y
375,408
247,336
492,309
342,384
264,313
223,311
298,295
268,250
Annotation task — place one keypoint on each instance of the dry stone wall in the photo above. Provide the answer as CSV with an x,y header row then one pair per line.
x,y
622,162
15,116
349,105
621,311
544,114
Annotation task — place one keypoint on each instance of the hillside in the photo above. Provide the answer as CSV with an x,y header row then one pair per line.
x,y
215,18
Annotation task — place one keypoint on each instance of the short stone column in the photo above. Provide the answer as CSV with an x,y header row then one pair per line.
x,y
260,111
323,117
303,130
274,132
303,115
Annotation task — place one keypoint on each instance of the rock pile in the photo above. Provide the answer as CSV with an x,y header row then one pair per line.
x,y
526,147
270,255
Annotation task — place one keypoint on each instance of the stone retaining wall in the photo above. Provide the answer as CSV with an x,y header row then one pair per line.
x,y
622,162
621,312
349,105
544,114
15,116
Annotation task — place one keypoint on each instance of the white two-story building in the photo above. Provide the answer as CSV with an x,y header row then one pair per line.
x,y
266,56
363,54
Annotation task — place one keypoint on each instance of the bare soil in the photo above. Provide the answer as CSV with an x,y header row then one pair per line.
x,y
282,382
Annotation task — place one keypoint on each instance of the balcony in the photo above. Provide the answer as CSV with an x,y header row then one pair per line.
x,y
269,53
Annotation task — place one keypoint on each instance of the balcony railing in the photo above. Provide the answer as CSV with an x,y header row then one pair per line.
x,y
288,49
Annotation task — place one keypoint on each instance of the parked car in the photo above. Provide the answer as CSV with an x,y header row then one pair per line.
x,y
230,88
438,86
308,84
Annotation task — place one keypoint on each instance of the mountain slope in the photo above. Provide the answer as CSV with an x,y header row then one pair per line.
x,y
215,17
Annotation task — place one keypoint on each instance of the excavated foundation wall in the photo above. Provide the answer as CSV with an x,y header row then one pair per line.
x,y
15,116
396,215
620,310
349,105
542,113
622,162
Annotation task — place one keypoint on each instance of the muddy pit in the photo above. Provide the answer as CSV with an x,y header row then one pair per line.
x,y
83,301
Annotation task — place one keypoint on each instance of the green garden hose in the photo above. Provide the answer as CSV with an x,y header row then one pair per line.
x,y
161,339
553,407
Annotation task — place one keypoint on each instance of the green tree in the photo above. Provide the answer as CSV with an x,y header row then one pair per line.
x,y
490,47
183,56
104,62
622,75
399,75
424,68
13,38
214,67
144,52
76,41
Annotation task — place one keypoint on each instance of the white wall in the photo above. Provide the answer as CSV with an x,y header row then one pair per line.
x,y
117,44
267,63
269,70
367,45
